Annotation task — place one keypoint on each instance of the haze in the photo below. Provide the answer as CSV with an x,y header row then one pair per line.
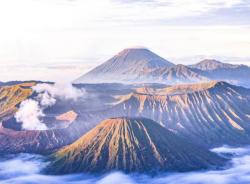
x,y
53,37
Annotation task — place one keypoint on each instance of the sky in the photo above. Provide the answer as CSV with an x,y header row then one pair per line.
x,y
47,39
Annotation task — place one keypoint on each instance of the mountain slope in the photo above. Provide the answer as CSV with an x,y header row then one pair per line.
x,y
11,96
131,145
15,140
210,114
129,64
36,141
177,74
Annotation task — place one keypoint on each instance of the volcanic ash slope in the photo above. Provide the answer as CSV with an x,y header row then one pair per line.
x,y
131,145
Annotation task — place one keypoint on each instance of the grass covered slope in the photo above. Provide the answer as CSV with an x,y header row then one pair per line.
x,y
131,145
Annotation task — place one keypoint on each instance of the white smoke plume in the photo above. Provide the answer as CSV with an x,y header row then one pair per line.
x,y
30,112
60,90
29,115
46,100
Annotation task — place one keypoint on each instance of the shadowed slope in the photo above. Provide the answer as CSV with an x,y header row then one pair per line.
x,y
131,145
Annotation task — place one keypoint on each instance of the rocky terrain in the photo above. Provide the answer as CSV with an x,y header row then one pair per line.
x,y
36,141
131,145
210,114
15,140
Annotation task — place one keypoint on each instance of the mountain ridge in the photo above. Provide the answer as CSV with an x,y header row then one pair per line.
x,y
212,64
214,114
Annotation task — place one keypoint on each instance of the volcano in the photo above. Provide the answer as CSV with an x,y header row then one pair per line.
x,y
132,64
140,65
131,145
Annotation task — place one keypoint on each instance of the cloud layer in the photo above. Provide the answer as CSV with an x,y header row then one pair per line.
x,y
25,168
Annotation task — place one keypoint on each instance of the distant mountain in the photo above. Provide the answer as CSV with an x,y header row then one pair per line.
x,y
216,70
128,65
131,145
212,64
140,65
12,83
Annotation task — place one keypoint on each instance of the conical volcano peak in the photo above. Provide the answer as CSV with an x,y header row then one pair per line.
x,y
131,145
139,54
127,122
134,50
131,64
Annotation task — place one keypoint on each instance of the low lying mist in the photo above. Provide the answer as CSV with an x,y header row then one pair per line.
x,y
25,168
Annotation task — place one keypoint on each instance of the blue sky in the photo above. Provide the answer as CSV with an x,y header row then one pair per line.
x,y
73,36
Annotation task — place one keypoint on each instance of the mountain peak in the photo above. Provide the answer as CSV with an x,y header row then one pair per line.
x,y
138,53
133,49
131,145
212,64
210,61
130,64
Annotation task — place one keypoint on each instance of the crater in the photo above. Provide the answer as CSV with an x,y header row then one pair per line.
x,y
52,121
